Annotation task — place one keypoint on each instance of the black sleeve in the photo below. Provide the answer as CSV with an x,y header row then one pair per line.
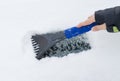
x,y
111,17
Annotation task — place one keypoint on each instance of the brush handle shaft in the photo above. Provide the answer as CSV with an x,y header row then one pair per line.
x,y
74,31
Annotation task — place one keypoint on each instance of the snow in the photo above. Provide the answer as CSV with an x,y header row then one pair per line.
x,y
20,18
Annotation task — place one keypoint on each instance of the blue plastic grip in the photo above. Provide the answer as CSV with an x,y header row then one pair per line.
x,y
74,31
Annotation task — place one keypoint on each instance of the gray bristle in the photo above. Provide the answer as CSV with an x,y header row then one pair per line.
x,y
67,46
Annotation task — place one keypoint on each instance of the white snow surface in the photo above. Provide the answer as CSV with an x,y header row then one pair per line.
x,y
20,18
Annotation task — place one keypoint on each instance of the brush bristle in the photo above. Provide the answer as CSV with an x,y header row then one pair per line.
x,y
68,46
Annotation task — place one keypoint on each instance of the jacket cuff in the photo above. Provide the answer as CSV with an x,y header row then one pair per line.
x,y
106,16
99,17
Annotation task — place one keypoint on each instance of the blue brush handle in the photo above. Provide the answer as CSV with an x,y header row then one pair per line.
x,y
74,31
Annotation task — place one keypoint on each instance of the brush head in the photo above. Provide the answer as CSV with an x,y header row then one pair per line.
x,y
56,45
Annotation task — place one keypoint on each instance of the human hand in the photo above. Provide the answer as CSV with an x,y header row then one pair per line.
x,y
90,20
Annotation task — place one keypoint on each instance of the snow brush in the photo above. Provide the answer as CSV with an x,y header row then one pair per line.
x,y
61,43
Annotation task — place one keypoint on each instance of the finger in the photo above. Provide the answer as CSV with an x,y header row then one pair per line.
x,y
95,28
99,27
87,22
90,20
